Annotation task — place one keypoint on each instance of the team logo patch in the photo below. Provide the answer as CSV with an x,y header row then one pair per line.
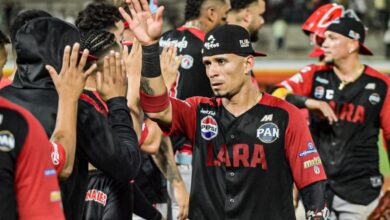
x,y
319,92
322,80
96,196
311,163
374,98
268,133
317,169
7,141
55,196
50,172
310,150
187,62
376,181
209,128
55,155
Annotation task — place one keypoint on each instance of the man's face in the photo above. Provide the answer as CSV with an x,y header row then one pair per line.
x,y
257,10
118,31
336,46
3,59
221,10
226,73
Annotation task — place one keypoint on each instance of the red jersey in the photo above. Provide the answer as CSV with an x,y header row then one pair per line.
x,y
28,180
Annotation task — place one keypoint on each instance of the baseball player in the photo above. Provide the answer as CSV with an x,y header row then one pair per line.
x,y
248,147
28,177
33,89
200,17
352,100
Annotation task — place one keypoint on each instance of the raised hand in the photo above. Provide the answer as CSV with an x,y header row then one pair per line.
x,y
146,27
169,65
72,78
113,82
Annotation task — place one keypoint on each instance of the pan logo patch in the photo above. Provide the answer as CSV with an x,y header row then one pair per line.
x,y
208,128
268,133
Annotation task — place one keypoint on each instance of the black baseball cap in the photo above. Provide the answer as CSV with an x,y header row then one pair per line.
x,y
351,28
227,39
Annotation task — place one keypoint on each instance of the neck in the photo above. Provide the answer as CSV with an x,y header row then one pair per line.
x,y
348,69
196,24
245,99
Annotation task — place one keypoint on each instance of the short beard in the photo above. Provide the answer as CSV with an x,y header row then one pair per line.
x,y
329,62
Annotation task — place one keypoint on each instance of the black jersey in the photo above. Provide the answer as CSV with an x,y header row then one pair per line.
x,y
192,79
244,167
349,147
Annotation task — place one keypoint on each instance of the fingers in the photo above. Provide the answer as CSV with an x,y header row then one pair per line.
x,y
53,73
125,15
90,70
159,13
145,7
137,6
99,80
118,66
106,69
83,60
74,55
65,59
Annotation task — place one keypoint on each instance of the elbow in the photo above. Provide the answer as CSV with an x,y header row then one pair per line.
x,y
66,173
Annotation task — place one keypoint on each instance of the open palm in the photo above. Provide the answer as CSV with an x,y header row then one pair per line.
x,y
146,27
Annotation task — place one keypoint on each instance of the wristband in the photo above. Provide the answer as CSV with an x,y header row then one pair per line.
x,y
297,100
153,104
151,61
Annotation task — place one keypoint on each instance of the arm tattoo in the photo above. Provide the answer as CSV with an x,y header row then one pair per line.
x,y
165,161
145,86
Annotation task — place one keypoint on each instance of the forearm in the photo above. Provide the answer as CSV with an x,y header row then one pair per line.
x,y
65,132
165,161
124,136
154,97
314,201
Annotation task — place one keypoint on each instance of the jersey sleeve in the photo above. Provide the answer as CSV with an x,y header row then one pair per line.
x,y
301,83
183,118
301,153
385,115
58,157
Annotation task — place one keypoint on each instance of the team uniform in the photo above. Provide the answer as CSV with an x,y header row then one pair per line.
x,y
348,148
28,180
245,166
107,141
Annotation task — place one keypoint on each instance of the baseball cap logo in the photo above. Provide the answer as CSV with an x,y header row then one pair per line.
x,y
352,34
244,43
211,43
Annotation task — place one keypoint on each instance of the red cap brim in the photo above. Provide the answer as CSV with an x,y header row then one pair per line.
x,y
364,50
259,54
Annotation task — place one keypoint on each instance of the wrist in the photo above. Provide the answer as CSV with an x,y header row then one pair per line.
x,y
151,61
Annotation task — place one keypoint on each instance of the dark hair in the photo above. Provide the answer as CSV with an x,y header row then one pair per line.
x,y
192,9
3,39
97,16
240,4
23,18
98,42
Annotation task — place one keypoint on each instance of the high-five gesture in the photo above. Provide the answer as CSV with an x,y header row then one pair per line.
x,y
71,80
146,27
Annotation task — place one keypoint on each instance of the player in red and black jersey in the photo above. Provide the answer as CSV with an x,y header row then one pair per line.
x,y
106,141
200,17
248,147
353,101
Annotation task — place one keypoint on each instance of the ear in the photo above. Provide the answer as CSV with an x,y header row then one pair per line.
x,y
353,46
249,64
211,14
246,18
